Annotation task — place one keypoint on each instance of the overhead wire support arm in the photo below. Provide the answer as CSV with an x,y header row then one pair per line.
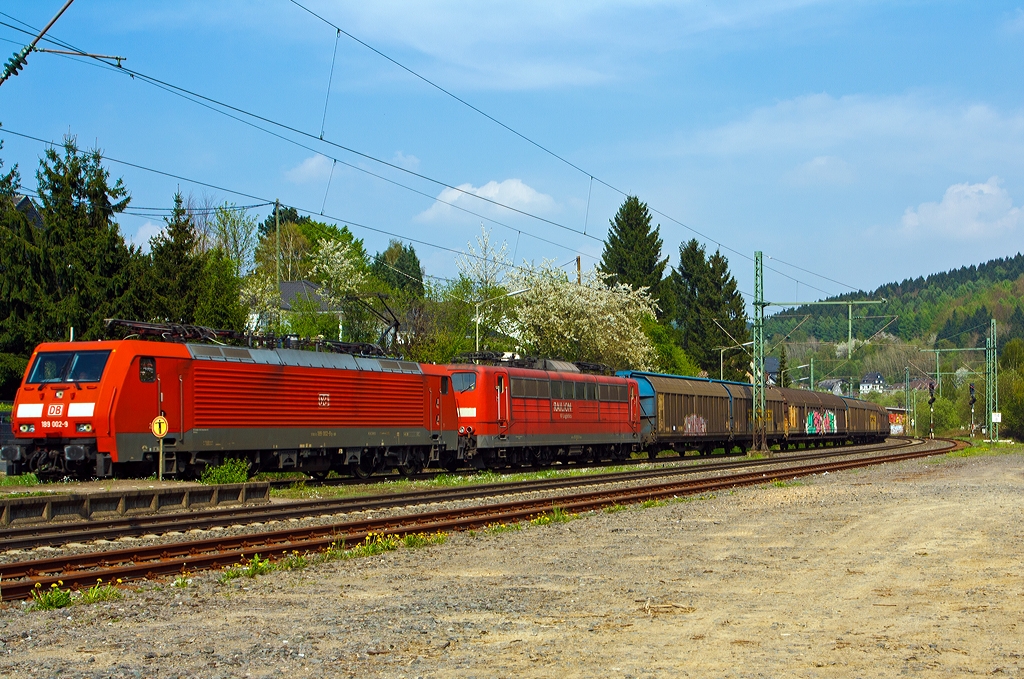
x,y
848,303
17,61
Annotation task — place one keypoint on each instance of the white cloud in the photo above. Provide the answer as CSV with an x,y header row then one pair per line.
x,y
409,162
144,233
511,192
967,211
822,171
1015,24
536,44
312,169
908,128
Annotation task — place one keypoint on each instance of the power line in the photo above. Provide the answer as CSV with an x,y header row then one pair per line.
x,y
193,96
180,92
547,150
212,103
267,201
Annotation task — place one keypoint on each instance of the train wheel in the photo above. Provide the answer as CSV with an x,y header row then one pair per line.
x,y
652,454
360,470
412,467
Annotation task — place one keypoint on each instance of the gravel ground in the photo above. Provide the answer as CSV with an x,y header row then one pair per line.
x,y
911,569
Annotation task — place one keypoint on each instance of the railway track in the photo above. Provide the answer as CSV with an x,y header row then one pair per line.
x,y
81,570
428,475
42,535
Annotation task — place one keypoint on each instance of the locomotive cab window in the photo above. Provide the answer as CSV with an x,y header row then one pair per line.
x,y
68,366
463,382
444,384
147,369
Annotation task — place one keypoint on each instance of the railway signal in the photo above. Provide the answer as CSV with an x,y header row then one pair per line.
x,y
931,409
972,401
159,428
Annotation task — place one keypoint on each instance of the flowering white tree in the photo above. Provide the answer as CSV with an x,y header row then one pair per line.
x,y
338,268
262,298
484,265
595,320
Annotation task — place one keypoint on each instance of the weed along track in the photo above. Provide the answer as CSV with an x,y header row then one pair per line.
x,y
77,571
40,535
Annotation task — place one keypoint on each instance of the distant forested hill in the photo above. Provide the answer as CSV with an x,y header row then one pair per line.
x,y
952,308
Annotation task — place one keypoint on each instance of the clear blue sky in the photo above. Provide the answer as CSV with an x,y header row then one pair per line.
x,y
865,141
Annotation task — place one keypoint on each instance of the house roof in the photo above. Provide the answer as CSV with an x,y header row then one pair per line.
x,y
771,364
297,294
874,378
27,207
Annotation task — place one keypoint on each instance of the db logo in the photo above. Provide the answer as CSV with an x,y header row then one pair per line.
x,y
55,410
323,399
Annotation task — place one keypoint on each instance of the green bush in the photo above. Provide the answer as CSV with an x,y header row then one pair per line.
x,y
235,470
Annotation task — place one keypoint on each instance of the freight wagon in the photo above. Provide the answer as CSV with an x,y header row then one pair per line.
x,y
692,413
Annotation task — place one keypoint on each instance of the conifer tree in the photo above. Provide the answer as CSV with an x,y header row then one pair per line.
x,y
178,267
784,378
399,268
632,253
81,266
708,310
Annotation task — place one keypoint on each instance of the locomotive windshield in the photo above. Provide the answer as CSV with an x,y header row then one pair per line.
x,y
463,382
68,366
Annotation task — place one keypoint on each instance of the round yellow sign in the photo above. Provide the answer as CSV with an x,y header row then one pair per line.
x,y
159,426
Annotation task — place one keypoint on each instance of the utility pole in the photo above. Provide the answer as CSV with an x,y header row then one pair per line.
x,y
906,400
811,382
277,259
760,443
17,61
579,275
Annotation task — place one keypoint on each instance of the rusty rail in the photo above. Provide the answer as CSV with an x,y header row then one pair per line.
x,y
77,571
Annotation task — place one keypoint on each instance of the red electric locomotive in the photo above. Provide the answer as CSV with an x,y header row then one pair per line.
x,y
87,407
520,416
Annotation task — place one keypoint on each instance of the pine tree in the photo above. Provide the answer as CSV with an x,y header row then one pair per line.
x,y
399,268
784,378
81,264
632,253
178,268
708,311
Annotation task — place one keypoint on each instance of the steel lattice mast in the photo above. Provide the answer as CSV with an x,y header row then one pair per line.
x,y
757,369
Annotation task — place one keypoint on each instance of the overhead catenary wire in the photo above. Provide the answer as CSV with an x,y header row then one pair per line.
x,y
491,220
212,104
267,201
544,148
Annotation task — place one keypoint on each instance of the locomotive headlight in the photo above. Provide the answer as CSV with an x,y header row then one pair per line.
x,y
27,428
83,427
